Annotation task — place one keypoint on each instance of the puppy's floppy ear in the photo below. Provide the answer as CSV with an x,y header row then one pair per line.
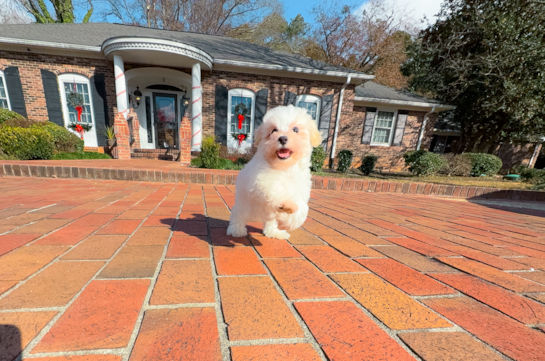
x,y
315,134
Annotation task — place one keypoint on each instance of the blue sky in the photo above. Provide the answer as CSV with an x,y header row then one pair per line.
x,y
304,7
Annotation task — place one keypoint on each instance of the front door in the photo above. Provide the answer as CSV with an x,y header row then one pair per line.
x,y
165,111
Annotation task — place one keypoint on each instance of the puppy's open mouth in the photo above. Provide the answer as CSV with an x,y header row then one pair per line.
x,y
284,153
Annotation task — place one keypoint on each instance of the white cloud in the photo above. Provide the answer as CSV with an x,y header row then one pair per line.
x,y
428,8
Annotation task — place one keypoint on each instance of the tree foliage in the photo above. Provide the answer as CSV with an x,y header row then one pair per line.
x,y
487,57
64,11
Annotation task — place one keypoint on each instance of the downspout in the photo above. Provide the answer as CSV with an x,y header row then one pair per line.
x,y
337,121
534,154
423,130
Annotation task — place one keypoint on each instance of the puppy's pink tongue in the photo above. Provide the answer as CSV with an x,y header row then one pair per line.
x,y
283,153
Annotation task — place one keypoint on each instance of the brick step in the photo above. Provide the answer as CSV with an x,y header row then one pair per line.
x,y
162,154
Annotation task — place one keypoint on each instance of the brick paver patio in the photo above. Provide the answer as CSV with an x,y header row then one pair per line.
x,y
97,270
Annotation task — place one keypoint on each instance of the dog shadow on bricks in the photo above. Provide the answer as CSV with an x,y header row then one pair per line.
x,y
10,342
200,226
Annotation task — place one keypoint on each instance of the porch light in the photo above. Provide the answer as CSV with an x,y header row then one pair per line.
x,y
136,97
185,103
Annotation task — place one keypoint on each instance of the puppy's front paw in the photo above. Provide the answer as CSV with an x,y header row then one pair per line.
x,y
237,230
278,234
288,207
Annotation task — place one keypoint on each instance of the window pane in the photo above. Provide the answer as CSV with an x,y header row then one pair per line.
x,y
82,89
311,108
3,103
385,119
381,135
2,89
247,101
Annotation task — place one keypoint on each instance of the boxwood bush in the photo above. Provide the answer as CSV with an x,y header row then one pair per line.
x,y
210,153
422,162
317,159
6,114
345,161
26,143
65,141
368,163
483,163
456,165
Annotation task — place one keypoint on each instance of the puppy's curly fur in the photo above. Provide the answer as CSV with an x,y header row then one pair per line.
x,y
274,187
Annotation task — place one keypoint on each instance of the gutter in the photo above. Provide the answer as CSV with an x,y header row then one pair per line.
x,y
424,127
337,121
404,102
48,44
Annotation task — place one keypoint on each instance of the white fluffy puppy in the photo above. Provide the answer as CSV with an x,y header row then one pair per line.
x,y
274,187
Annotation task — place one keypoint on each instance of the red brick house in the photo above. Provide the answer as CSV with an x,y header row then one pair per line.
x,y
182,86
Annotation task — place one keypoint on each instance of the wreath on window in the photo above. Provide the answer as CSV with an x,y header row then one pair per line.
x,y
80,128
75,99
241,111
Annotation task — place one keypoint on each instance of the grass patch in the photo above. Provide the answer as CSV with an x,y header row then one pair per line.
x,y
80,155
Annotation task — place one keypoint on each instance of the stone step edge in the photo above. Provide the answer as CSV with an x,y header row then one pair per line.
x,y
229,178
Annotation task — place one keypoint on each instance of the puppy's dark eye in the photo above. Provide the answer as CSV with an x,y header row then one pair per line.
x,y
274,130
296,130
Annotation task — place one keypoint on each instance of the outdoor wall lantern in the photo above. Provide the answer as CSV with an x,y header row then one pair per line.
x,y
184,103
136,97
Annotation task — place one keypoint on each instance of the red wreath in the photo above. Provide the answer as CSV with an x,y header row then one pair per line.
x,y
240,120
79,109
241,138
79,129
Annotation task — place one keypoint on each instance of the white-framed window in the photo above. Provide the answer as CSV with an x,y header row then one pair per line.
x,y
69,83
312,103
4,97
384,126
246,97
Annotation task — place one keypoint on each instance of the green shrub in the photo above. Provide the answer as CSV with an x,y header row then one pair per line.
x,y
456,165
345,161
6,114
80,155
18,122
368,163
196,162
422,162
210,153
483,163
26,143
317,159
534,176
65,141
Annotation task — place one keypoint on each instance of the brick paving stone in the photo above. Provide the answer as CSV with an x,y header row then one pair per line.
x,y
405,278
273,248
537,276
10,242
167,212
494,275
231,261
528,252
536,263
393,307
538,297
219,237
100,357
190,228
320,230
95,219
299,279
137,214
188,247
120,227
187,281
71,214
17,329
421,247
448,346
329,260
496,251
350,247
150,236
103,316
491,260
53,287
254,310
133,262
303,237
95,248
191,216
24,261
69,235
413,259
365,238
501,332
292,352
345,333
159,221
6,285
518,307
44,226
188,334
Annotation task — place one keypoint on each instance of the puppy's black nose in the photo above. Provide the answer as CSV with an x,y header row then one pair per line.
x,y
283,140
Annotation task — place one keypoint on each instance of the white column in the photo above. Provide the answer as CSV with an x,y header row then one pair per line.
x,y
196,108
120,86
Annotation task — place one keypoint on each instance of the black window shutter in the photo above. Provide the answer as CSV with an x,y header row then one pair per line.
x,y
368,125
325,118
100,107
400,127
222,99
52,97
15,90
289,98
261,99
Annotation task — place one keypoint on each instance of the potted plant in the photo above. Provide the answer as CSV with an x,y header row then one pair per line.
x,y
110,136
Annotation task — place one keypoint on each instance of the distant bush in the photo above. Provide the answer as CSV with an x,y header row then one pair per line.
x,y
456,165
532,175
483,163
6,114
368,163
317,159
210,153
26,143
422,162
345,161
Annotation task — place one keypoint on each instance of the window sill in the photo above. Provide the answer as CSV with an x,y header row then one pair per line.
x,y
379,145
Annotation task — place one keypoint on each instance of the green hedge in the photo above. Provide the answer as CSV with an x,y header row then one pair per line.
x,y
484,164
6,114
345,160
368,163
422,162
317,159
26,143
65,141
